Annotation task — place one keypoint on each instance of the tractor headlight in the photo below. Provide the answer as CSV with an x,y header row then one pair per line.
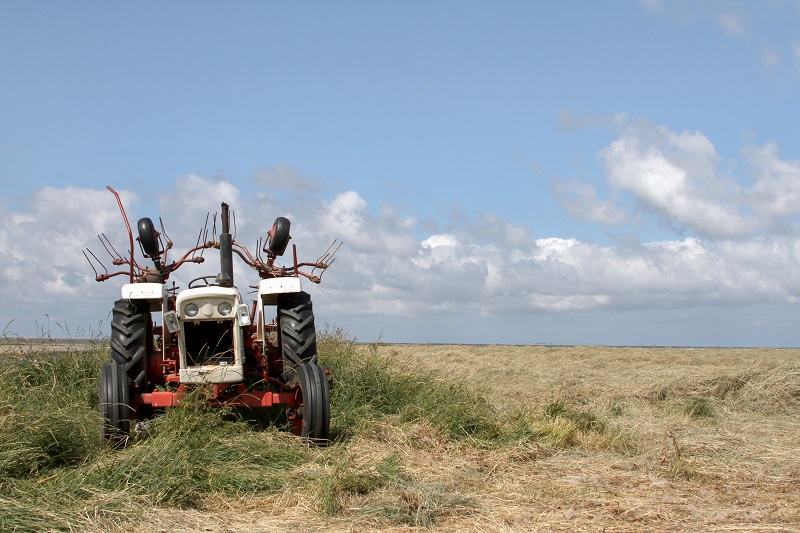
x,y
191,310
224,308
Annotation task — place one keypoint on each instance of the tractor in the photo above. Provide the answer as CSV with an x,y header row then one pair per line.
x,y
259,354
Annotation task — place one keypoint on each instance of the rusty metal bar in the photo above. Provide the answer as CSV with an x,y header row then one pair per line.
x,y
127,224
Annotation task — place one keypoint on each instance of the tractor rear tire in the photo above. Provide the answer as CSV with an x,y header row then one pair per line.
x,y
115,410
298,338
314,404
129,327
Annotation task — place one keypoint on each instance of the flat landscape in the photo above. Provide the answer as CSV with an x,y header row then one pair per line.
x,y
686,439
432,437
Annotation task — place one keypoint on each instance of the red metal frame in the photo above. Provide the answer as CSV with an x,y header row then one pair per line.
x,y
243,399
127,225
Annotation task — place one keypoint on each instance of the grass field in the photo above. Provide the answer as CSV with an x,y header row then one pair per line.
x,y
490,438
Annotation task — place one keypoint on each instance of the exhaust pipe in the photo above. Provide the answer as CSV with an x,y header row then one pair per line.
x,y
225,276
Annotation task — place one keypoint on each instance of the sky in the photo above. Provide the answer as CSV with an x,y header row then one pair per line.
x,y
610,173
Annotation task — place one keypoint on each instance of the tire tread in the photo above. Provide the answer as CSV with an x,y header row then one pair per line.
x,y
297,330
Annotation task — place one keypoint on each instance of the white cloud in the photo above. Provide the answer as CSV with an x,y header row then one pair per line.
x,y
193,194
669,186
452,271
437,241
392,265
677,178
346,213
42,265
347,218
673,175
776,189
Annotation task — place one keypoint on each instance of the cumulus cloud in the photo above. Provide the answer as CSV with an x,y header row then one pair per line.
x,y
347,216
482,265
192,194
674,174
454,271
677,177
776,189
42,266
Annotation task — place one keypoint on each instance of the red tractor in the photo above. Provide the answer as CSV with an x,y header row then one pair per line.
x,y
209,336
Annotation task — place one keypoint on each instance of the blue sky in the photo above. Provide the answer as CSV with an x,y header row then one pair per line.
x,y
521,172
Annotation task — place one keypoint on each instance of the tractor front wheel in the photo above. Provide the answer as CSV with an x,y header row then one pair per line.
x,y
129,327
115,410
311,413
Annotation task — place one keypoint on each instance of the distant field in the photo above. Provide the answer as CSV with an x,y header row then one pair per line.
x,y
26,345
568,439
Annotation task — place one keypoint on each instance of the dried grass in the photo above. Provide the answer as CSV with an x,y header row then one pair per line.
x,y
695,438
659,465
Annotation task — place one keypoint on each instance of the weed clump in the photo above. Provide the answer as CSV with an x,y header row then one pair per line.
x,y
562,426
698,407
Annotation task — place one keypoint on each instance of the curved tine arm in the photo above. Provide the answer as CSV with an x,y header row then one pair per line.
x,y
322,268
137,266
127,225
313,278
262,269
244,253
103,277
172,267
167,241
312,265
252,263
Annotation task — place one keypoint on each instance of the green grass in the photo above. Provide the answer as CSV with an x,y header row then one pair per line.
x,y
366,387
48,412
56,475
54,466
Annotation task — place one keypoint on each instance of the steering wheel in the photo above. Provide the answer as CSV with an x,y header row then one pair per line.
x,y
195,283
